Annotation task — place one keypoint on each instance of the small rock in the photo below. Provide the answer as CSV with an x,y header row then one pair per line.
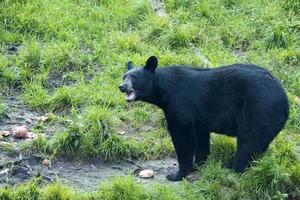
x,y
46,162
1,137
4,133
20,132
122,132
147,173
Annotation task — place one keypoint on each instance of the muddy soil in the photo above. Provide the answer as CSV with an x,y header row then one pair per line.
x,y
16,167
17,114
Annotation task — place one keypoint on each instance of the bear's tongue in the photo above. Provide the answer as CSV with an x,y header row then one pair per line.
x,y
130,96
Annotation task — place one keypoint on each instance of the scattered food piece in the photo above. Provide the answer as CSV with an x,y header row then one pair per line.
x,y
46,162
20,132
4,133
147,173
121,132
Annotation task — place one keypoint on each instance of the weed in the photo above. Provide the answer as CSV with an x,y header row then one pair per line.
x,y
27,191
57,192
34,94
2,109
270,179
39,145
5,194
120,188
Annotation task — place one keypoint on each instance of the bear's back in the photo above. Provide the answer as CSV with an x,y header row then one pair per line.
x,y
218,94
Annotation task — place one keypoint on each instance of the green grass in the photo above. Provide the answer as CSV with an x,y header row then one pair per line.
x,y
70,60
267,180
2,109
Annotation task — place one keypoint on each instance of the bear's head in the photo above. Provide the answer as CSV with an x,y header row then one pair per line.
x,y
138,83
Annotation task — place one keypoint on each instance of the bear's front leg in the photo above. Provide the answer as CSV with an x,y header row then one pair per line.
x,y
184,144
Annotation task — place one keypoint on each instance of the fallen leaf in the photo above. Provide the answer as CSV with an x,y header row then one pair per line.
x,y
147,173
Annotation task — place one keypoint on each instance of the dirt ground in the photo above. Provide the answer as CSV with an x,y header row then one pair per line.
x,y
16,167
78,174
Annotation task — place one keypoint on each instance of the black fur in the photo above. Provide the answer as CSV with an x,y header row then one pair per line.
x,y
241,100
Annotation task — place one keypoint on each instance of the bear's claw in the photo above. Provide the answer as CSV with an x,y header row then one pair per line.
x,y
175,177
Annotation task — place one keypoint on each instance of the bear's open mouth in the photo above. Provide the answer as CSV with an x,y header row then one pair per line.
x,y
130,95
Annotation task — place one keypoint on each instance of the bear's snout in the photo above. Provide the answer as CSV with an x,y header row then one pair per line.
x,y
123,88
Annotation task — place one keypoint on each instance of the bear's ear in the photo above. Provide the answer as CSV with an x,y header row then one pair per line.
x,y
129,65
151,63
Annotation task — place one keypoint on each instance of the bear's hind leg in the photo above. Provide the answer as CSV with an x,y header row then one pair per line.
x,y
201,147
248,147
231,163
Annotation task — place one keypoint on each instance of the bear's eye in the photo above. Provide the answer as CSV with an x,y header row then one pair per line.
x,y
133,76
126,76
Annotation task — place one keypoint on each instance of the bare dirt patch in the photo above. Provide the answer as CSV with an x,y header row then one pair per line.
x,y
17,167
17,115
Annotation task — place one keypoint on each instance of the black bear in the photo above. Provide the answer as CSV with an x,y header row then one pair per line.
x,y
241,100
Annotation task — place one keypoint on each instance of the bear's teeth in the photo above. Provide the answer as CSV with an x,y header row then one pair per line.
x,y
130,96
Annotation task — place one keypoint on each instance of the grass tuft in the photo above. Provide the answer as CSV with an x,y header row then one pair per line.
x,y
120,188
56,191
